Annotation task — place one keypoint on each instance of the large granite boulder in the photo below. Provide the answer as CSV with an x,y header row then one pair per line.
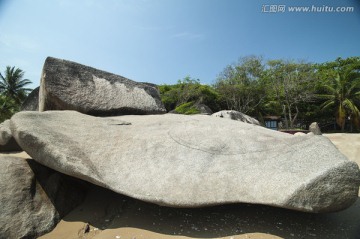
x,y
7,142
191,161
236,115
33,197
32,101
67,85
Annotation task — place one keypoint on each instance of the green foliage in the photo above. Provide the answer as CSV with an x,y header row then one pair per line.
x,y
239,85
340,89
188,90
187,109
298,91
8,107
289,84
12,91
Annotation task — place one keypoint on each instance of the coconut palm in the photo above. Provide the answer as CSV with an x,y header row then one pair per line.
x,y
12,84
343,93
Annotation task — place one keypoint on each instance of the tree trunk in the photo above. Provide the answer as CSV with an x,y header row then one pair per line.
x,y
285,117
343,126
295,117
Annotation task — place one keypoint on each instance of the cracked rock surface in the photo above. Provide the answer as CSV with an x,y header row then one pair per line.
x,y
191,161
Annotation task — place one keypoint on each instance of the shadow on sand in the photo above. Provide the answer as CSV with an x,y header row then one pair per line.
x,y
105,209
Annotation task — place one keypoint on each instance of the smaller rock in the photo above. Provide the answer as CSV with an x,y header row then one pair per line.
x,y
299,134
204,109
32,101
314,127
7,142
34,198
236,115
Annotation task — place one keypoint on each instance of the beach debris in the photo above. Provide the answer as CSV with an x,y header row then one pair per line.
x,y
87,228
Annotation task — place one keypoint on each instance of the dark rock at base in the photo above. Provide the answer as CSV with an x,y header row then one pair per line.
x,y
67,85
34,198
7,142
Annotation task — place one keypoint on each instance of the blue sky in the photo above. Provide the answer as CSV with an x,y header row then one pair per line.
x,y
161,41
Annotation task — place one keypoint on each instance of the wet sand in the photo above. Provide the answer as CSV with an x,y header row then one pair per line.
x,y
110,215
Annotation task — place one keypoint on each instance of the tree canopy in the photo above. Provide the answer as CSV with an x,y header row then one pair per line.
x,y
12,91
299,92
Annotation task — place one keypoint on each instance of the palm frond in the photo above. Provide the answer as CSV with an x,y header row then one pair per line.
x,y
327,104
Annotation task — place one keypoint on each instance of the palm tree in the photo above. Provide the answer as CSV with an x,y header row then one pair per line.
x,y
12,85
343,93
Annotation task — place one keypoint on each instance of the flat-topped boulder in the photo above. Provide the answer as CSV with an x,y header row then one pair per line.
x,y
7,142
191,161
236,115
67,85
33,197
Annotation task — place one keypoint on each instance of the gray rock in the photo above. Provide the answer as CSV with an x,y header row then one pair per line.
x,y
191,161
204,109
7,142
67,85
33,197
299,134
314,128
32,101
236,115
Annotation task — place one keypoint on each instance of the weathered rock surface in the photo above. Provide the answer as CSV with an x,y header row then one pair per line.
x,y
32,101
204,109
236,115
191,161
67,85
7,142
315,129
33,197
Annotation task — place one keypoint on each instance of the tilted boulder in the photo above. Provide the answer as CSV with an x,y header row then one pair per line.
x,y
67,85
236,115
7,142
33,197
191,161
32,101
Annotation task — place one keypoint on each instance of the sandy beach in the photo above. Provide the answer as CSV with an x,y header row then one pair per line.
x,y
110,215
